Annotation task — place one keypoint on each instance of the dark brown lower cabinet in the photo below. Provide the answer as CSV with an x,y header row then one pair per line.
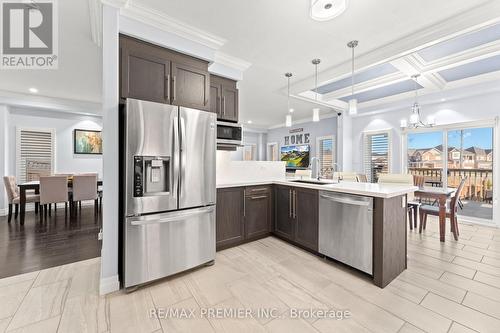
x,y
283,221
257,212
230,229
306,217
296,219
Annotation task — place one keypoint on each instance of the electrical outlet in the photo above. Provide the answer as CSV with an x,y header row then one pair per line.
x,y
99,235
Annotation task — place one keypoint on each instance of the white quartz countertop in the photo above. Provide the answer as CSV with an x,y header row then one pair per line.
x,y
385,191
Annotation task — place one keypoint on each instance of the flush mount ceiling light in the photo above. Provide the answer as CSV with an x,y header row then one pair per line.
x,y
415,121
353,103
324,10
288,118
33,90
316,62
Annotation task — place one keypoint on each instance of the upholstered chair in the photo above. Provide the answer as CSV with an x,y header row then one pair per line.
x,y
53,190
13,196
85,188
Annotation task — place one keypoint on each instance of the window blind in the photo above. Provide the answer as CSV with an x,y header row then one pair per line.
x,y
326,156
34,153
376,155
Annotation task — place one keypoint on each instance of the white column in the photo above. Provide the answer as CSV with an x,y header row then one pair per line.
x,y
344,142
4,158
110,53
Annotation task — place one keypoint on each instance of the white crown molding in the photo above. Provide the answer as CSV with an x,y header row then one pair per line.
x,y
230,61
19,100
166,23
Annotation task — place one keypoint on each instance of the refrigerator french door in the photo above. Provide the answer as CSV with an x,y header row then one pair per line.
x,y
169,190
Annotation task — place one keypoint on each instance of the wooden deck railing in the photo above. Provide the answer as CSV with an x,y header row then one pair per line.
x,y
479,184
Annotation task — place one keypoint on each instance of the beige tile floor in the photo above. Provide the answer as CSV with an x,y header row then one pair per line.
x,y
450,287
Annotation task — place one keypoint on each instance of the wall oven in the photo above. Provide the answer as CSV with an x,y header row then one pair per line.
x,y
228,135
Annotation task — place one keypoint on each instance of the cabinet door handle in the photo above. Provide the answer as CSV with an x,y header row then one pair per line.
x,y
290,203
294,204
224,105
175,84
259,197
244,204
168,87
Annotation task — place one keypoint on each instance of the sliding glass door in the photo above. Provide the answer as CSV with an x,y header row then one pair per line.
x,y
470,156
448,155
425,157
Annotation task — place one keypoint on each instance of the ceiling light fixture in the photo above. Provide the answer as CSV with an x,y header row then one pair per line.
x,y
249,122
353,103
288,118
33,90
415,120
316,62
324,10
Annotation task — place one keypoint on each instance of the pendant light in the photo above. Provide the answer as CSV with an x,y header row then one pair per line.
x,y
288,117
415,120
316,62
353,103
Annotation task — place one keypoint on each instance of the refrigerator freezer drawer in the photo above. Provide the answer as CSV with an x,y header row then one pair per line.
x,y
160,245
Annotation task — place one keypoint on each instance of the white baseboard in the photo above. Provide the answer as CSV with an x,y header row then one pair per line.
x,y
109,284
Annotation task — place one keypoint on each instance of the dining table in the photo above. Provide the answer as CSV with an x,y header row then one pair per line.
x,y
35,185
441,196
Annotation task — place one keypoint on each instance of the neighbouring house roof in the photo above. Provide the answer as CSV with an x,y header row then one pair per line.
x,y
476,150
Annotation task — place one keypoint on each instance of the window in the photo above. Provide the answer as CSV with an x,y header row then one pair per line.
x,y
326,155
250,152
34,153
272,152
377,154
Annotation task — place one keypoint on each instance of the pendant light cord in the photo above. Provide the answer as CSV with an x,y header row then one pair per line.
x,y
288,97
352,73
316,82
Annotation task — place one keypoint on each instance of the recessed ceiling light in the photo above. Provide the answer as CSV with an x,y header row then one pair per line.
x,y
249,122
323,10
291,110
33,90
443,99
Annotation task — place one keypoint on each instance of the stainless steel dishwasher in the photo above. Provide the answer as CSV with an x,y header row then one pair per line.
x,y
346,229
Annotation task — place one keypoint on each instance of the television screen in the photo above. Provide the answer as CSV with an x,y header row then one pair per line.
x,y
295,156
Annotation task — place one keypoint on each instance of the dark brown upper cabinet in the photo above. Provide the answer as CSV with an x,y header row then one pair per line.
x,y
190,87
144,75
152,73
257,212
224,98
230,229
296,219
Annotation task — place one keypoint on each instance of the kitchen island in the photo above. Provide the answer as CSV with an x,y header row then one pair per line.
x,y
290,209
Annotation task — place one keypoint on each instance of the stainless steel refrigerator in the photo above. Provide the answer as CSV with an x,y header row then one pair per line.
x,y
169,185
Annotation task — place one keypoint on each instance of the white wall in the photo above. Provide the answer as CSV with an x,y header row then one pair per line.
x,y
324,127
4,114
63,125
255,138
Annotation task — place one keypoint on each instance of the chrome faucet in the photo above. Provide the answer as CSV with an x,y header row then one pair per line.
x,y
336,169
315,170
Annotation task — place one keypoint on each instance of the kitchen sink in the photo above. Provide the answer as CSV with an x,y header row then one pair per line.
x,y
316,182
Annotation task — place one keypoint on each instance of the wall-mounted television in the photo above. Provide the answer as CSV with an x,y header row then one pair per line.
x,y
296,157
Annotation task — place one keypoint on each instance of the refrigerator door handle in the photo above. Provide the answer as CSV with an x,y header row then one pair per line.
x,y
169,217
175,158
183,161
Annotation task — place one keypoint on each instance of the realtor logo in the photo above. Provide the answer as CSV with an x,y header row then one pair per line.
x,y
29,34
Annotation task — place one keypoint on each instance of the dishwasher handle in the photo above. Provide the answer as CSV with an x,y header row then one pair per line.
x,y
346,201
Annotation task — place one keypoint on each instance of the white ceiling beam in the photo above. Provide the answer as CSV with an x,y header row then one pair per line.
x,y
409,67
481,16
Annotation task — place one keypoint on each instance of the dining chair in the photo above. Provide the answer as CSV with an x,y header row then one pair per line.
x,y
53,190
402,179
361,178
85,188
451,211
346,176
14,198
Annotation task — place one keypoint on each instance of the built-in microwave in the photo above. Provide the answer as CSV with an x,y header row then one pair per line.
x,y
229,134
